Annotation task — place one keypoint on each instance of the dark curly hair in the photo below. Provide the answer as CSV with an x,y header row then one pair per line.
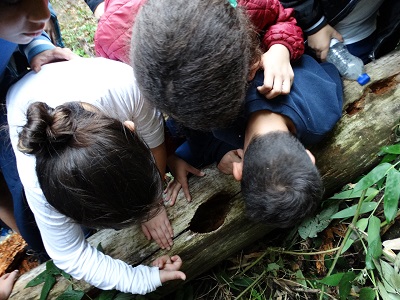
x,y
192,59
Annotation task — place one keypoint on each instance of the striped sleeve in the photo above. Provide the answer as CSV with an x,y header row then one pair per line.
x,y
36,46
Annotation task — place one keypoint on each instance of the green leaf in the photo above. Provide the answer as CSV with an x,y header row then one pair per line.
x,y
243,281
37,280
345,284
392,195
382,290
350,194
72,295
388,158
51,268
366,293
351,211
48,284
65,275
300,278
387,273
332,280
100,248
107,295
311,226
361,225
392,149
126,296
374,249
372,177
395,281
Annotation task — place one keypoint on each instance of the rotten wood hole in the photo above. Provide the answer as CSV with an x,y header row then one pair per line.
x,y
378,88
210,215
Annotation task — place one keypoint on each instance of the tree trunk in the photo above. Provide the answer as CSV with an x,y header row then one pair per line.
x,y
213,226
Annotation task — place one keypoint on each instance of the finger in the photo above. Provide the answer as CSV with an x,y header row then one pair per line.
x,y
195,171
240,153
286,85
337,35
176,259
161,261
170,230
13,275
162,238
175,193
185,188
323,55
146,232
157,239
171,275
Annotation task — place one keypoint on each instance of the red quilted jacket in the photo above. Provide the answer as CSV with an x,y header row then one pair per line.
x,y
113,34
275,24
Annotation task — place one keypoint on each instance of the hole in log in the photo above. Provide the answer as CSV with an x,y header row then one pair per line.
x,y
211,214
355,107
384,86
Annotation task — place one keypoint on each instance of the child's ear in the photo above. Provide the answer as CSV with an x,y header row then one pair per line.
x,y
130,125
311,156
237,169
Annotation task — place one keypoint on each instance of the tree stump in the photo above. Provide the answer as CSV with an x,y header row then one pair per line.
x,y
213,226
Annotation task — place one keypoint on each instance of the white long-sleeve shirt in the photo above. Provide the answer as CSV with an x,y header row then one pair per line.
x,y
111,87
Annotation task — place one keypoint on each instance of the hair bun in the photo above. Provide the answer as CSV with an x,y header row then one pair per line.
x,y
47,129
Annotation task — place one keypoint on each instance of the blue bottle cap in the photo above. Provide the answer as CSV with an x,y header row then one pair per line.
x,y
363,79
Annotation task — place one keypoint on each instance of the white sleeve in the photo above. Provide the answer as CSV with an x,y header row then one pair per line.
x,y
66,245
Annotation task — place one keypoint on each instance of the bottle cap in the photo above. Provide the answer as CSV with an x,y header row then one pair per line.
x,y
363,79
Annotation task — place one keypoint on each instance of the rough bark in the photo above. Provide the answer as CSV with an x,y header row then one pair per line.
x,y
213,226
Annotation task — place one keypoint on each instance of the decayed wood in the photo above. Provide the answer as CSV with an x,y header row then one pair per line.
x,y
370,120
11,251
213,226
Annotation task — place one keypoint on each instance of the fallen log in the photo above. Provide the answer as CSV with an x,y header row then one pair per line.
x,y
213,226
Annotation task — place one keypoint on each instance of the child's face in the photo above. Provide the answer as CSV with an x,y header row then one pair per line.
x,y
22,20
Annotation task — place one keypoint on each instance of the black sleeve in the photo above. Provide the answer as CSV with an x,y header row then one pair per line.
x,y
93,4
308,13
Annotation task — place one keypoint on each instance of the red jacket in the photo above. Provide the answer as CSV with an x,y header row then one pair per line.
x,y
113,34
276,25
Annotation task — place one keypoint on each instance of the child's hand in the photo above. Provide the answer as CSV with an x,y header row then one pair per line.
x,y
53,55
169,268
226,163
180,170
278,72
159,228
321,40
6,284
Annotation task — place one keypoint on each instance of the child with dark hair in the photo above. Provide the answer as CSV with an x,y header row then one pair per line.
x,y
82,160
280,183
193,58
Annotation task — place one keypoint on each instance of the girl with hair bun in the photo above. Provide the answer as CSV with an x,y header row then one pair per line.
x,y
91,152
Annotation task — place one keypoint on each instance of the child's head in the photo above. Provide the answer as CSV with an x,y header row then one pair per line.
x,y
192,59
280,183
90,167
22,20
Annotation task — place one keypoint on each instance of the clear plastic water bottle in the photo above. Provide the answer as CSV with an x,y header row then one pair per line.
x,y
349,66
